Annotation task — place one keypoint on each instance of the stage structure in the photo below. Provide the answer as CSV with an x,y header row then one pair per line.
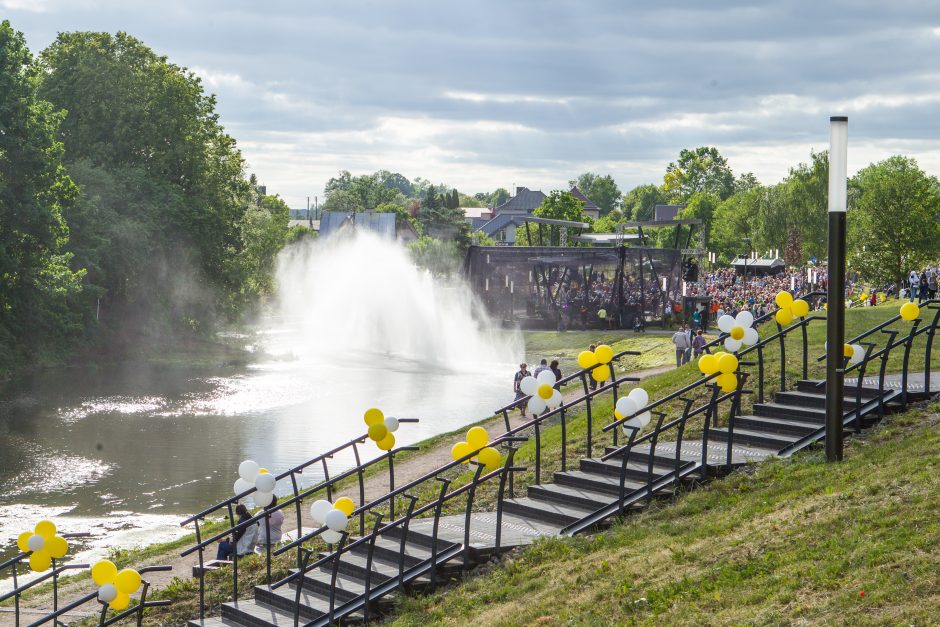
x,y
609,281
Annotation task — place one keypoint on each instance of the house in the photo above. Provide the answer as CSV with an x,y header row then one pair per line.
x,y
382,224
590,209
477,216
510,215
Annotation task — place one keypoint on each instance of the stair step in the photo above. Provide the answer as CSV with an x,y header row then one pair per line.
x,y
641,455
748,437
414,537
566,495
312,604
597,482
811,399
799,412
387,551
354,564
849,390
554,513
250,613
215,621
766,424
635,471
347,587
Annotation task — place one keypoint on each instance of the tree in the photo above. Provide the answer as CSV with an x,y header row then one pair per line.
x,y
640,202
558,205
493,199
440,217
733,220
746,182
894,220
361,193
36,283
700,170
394,180
601,190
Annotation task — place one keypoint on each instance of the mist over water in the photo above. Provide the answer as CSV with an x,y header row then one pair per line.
x,y
358,296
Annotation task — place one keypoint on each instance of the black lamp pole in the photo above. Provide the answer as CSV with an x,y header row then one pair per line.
x,y
835,318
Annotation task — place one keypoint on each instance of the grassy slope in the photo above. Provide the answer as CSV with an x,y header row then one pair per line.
x,y
789,541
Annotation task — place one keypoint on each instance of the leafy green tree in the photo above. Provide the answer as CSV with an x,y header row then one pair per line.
x,y
746,182
360,193
440,217
733,220
494,198
558,205
696,171
441,258
394,180
602,190
894,220
640,202
36,283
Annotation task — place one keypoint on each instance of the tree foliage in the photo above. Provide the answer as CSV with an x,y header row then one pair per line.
x,y
702,170
558,205
601,190
640,202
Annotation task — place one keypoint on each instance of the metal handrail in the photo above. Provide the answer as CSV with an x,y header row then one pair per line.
x,y
881,326
760,319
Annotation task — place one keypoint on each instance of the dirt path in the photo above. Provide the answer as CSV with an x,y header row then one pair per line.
x,y
375,486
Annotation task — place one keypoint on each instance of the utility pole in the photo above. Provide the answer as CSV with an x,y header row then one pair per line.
x,y
835,317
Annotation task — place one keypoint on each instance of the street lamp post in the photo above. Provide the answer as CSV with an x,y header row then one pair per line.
x,y
835,317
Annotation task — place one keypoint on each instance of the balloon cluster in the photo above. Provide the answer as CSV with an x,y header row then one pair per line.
x,y
542,390
855,353
739,329
789,308
630,405
477,439
334,516
381,428
251,475
115,588
910,311
724,364
43,545
602,355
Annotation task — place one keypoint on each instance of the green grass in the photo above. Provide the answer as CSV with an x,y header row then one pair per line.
x,y
786,542
656,349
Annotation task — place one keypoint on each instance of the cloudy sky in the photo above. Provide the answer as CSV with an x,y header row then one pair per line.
x,y
490,93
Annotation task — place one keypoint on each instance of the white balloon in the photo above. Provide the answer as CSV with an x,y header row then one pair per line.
x,y
319,510
391,423
631,425
725,323
645,418
640,396
107,593
536,405
336,520
626,406
331,537
242,486
732,344
262,499
36,542
556,399
744,319
248,469
858,354
265,482
751,337
546,377
529,385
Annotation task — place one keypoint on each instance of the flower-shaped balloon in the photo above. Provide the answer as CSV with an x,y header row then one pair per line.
x,y
602,355
630,405
115,588
723,364
335,516
855,353
251,475
542,390
910,311
43,545
477,440
381,428
789,308
739,329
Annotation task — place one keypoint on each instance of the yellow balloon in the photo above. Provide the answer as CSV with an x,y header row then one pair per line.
x,y
737,332
57,547
45,528
727,382
604,353
374,416
586,359
545,391
22,540
120,602
618,415
910,311
345,505
127,581
708,364
601,373
386,443
459,450
103,572
783,316
799,308
40,560
847,350
784,300
727,363
489,457
378,431
477,437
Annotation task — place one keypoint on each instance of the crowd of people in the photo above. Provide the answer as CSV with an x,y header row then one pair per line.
x,y
922,285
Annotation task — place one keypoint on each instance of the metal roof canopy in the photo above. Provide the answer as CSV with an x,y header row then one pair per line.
x,y
635,225
757,263
553,222
606,238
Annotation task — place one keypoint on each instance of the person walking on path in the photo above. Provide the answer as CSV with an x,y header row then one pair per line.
x,y
681,339
542,367
522,374
914,282
557,372
698,344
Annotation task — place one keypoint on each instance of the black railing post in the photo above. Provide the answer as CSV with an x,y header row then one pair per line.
x,y
362,488
711,414
783,360
927,357
564,440
297,510
432,574
304,562
471,493
587,409
654,441
366,602
760,373
908,343
231,519
538,454
623,466
202,574
803,324
507,468
404,537
334,574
